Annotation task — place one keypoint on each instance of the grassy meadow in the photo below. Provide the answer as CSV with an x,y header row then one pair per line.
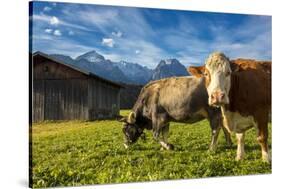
x,y
74,153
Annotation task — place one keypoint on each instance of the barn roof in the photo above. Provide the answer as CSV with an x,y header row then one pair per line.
x,y
90,74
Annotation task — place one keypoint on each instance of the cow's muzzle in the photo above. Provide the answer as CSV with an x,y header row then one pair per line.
x,y
218,98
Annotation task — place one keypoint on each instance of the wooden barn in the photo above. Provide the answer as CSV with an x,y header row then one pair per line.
x,y
65,92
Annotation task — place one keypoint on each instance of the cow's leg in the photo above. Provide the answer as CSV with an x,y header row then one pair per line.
x,y
262,139
240,146
214,138
156,124
216,124
215,130
227,137
159,120
164,140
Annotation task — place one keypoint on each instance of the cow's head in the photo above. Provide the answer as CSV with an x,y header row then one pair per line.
x,y
130,129
217,72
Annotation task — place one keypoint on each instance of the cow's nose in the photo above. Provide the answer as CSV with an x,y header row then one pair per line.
x,y
221,96
214,99
217,97
213,96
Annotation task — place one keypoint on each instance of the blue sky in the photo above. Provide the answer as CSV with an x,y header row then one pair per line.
x,y
146,36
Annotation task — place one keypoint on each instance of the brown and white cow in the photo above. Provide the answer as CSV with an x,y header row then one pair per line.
x,y
242,88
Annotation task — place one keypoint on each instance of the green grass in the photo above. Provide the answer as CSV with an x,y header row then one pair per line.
x,y
77,153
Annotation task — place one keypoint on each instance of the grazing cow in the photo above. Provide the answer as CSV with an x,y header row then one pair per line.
x,y
242,88
182,99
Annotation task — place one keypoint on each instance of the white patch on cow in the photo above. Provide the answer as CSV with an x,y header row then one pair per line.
x,y
240,146
234,122
214,141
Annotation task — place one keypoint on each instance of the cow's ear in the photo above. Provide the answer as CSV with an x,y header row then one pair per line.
x,y
234,66
197,71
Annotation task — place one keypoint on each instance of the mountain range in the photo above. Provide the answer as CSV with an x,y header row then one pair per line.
x,y
122,71
168,68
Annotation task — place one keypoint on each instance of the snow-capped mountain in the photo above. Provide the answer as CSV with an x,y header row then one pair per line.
x,y
91,56
125,72
136,73
95,63
102,67
168,68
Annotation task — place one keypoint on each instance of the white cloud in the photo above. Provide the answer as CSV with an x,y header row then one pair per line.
x,y
117,34
97,16
57,32
46,18
54,20
108,42
48,30
53,45
41,37
151,54
46,9
40,17
137,51
105,19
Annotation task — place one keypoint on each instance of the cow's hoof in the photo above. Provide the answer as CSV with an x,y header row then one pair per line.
x,y
239,158
170,147
212,148
266,161
266,158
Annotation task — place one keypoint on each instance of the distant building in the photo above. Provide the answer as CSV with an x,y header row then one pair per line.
x,y
65,92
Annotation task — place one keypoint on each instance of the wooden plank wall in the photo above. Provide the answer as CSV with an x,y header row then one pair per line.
x,y
38,101
60,99
103,100
61,93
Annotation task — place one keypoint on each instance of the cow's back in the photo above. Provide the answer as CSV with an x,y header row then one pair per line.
x,y
181,98
249,64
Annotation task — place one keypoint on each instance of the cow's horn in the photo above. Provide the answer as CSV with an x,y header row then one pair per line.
x,y
132,117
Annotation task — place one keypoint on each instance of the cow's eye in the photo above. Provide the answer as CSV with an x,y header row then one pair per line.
x,y
205,74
